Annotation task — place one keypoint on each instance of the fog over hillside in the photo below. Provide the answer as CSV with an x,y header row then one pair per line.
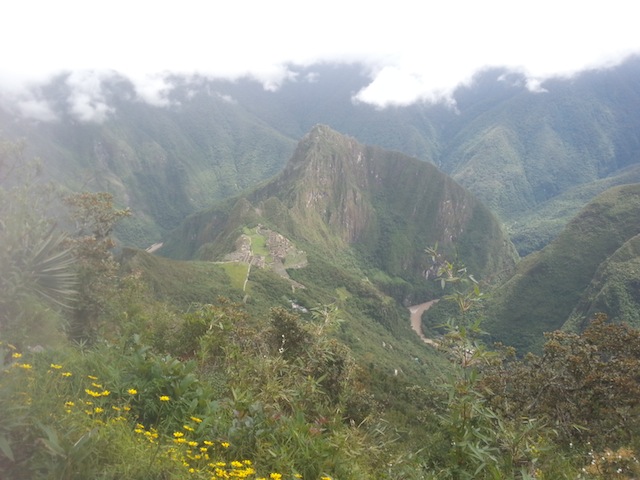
x,y
518,150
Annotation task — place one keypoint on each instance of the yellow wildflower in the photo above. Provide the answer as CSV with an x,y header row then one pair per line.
x,y
193,444
92,377
66,374
225,444
164,398
26,366
16,355
132,391
275,476
208,443
69,404
98,410
92,393
105,393
178,434
188,428
55,366
196,419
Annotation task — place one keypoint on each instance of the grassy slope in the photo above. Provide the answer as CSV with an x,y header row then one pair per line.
x,y
182,283
374,326
548,284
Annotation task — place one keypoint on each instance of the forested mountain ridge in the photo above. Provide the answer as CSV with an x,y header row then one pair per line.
x,y
210,139
335,195
588,268
309,368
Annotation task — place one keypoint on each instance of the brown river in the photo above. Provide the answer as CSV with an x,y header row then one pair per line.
x,y
416,323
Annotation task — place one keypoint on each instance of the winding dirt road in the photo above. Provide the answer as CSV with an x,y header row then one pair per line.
x,y
416,320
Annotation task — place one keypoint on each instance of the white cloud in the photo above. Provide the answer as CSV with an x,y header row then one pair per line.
x,y
87,101
400,87
152,88
415,50
26,101
226,98
34,109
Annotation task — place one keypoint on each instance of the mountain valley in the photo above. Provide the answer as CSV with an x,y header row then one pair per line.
x,y
242,269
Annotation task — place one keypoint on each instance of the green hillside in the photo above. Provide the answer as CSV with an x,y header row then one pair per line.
x,y
340,199
547,285
163,162
516,150
521,151
134,366
614,290
533,231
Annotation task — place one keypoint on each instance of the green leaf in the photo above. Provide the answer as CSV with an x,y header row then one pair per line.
x,y
5,448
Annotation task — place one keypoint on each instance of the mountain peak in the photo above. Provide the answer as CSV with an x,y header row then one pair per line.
x,y
336,194
336,187
322,142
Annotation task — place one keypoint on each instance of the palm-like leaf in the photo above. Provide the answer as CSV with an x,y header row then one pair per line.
x,y
51,271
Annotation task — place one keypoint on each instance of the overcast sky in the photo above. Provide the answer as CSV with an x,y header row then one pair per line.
x,y
415,50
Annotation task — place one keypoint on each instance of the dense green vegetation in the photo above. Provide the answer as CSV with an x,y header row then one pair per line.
x,y
614,289
549,284
139,372
214,369
517,150
533,231
340,199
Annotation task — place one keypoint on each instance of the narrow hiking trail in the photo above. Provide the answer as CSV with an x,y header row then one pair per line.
x,y
416,320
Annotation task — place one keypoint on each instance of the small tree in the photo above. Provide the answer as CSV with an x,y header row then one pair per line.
x,y
484,444
94,216
587,385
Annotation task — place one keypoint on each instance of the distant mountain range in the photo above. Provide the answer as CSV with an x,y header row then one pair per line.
x,y
306,176
590,267
518,151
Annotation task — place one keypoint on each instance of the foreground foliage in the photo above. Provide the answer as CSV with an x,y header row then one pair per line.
x,y
138,388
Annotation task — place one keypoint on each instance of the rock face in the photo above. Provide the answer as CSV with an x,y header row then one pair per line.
x,y
338,194
385,203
